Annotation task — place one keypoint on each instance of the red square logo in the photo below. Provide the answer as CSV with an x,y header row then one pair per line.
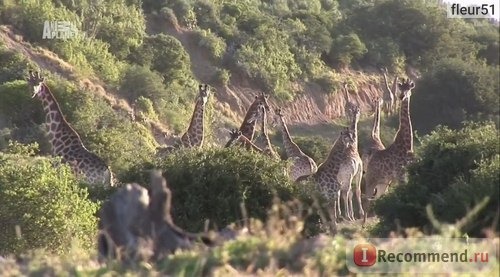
x,y
364,254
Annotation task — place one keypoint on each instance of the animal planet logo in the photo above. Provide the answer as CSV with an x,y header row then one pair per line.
x,y
365,254
59,30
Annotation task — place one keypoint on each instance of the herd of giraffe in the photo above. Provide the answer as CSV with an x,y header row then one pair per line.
x,y
380,166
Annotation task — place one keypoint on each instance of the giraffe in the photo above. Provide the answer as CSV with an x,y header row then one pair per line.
x,y
326,177
65,141
388,165
194,136
389,93
247,128
302,164
237,136
374,144
351,166
268,148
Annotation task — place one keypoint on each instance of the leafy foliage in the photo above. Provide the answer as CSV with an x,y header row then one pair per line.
x,y
455,91
166,55
45,203
456,171
222,179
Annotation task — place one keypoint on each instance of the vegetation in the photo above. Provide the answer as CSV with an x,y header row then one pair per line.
x,y
283,48
223,179
456,171
42,205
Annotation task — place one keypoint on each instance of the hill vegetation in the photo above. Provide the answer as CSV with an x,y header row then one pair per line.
x,y
290,49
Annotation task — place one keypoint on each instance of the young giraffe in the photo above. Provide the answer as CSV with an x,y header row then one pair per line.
x,y
65,141
388,165
237,136
268,147
247,128
389,93
194,136
351,166
302,164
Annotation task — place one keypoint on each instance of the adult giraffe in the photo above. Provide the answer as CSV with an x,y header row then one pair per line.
x,y
194,136
65,141
388,165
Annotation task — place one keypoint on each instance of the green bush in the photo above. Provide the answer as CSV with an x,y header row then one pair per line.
x,y
166,55
456,171
454,91
43,200
13,65
141,81
211,183
315,147
215,45
346,48
222,76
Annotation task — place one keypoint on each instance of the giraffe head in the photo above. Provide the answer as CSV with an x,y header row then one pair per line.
x,y
347,137
204,92
276,119
36,82
405,88
377,102
261,101
354,111
234,134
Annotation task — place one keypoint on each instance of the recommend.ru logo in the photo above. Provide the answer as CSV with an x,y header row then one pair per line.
x,y
423,255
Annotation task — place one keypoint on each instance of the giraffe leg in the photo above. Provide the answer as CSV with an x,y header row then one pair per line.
x,y
359,177
332,210
345,199
337,205
350,207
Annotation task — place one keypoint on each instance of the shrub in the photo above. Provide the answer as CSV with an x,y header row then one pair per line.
x,y
456,171
13,65
315,147
141,81
90,55
211,183
166,55
346,48
215,45
222,76
454,91
45,202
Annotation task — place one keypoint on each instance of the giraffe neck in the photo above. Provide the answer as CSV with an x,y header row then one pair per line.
x,y
404,136
248,126
354,128
267,141
61,134
376,124
197,120
291,148
250,144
